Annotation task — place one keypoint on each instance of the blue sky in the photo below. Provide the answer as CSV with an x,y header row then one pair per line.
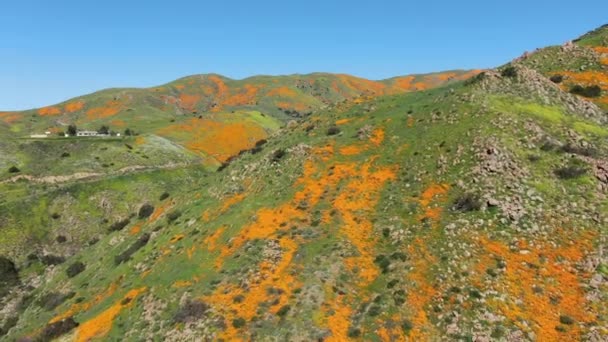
x,y
54,50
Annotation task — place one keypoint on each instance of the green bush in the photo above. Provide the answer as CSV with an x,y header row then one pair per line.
x,y
557,78
137,245
191,311
238,322
589,91
145,211
467,202
509,71
75,269
333,130
119,225
570,172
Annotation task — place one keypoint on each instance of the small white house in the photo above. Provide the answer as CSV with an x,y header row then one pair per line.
x,y
90,134
39,136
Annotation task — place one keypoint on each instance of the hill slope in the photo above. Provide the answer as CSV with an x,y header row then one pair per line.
x,y
474,211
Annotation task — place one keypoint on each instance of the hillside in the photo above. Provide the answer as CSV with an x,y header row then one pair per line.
x,y
473,210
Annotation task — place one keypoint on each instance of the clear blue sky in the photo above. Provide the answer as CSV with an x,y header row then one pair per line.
x,y
54,50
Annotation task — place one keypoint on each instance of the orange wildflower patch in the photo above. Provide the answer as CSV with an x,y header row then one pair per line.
x,y
351,150
420,295
297,106
550,267
361,85
339,322
377,136
355,205
188,101
404,83
282,92
177,238
135,230
601,49
49,111
344,121
435,192
220,140
74,106
158,211
246,96
111,108
102,324
325,152
79,307
181,284
211,240
10,117
356,200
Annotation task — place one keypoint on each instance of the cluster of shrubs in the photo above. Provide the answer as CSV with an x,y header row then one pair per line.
x,y
256,149
467,202
75,269
589,91
54,330
570,172
509,71
190,311
137,245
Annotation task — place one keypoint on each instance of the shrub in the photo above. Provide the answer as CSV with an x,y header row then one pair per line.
x,y
557,78
145,211
283,310
174,215
191,311
333,130
164,196
467,202
52,300
137,245
13,169
50,259
277,155
119,225
583,151
65,155
75,269
56,329
8,272
55,216
589,91
407,326
72,129
509,71
563,319
61,239
354,332
383,262
104,130
570,172
238,322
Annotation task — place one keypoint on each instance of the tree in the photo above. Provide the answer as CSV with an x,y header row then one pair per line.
x,y
71,130
128,132
104,130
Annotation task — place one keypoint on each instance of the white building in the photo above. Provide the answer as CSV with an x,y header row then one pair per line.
x,y
90,134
